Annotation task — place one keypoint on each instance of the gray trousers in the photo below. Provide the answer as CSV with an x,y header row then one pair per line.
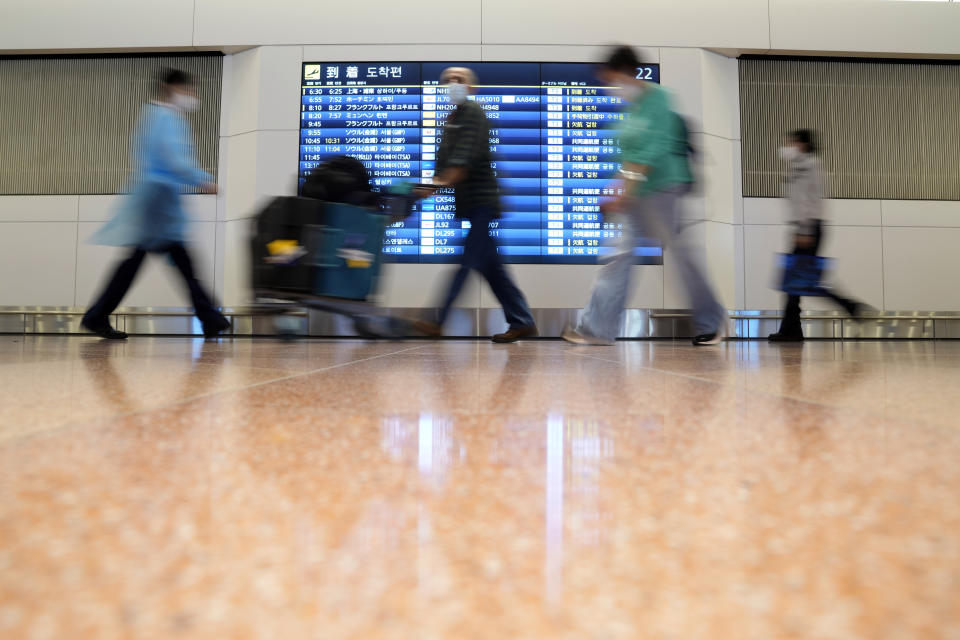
x,y
652,216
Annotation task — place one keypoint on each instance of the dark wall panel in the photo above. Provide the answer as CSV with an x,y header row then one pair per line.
x,y
888,130
65,122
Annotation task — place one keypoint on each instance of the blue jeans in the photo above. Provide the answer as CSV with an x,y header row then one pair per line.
x,y
480,254
652,216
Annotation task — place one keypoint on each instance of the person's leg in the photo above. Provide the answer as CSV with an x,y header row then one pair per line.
x,y
848,305
212,320
790,327
489,264
456,285
608,296
709,316
790,324
453,289
97,317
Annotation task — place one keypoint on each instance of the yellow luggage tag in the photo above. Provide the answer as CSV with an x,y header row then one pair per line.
x,y
356,258
284,251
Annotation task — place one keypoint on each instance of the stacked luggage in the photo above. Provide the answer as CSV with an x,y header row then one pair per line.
x,y
324,249
305,248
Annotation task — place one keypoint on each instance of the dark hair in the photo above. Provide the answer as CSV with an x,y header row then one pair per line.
x,y
174,78
622,59
807,138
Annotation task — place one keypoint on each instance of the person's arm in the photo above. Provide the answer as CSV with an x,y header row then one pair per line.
x,y
450,176
471,134
175,146
645,149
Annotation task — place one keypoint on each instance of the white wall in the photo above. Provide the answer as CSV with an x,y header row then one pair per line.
x,y
865,26
840,26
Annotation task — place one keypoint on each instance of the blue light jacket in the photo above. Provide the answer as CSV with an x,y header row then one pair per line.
x,y
151,215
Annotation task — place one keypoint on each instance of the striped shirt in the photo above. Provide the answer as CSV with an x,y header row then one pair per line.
x,y
465,142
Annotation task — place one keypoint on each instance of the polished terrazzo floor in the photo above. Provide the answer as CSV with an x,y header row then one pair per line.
x,y
172,488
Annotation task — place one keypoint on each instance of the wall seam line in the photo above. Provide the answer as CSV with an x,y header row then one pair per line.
x,y
769,28
743,265
718,137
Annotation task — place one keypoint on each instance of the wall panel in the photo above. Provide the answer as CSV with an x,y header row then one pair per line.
x,y
37,260
920,267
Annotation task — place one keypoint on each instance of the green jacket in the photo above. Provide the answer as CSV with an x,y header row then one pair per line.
x,y
651,134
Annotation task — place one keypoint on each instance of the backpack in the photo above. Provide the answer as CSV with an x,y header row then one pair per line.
x,y
686,146
341,179
686,150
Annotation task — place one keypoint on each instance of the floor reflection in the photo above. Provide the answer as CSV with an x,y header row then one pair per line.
x,y
425,440
464,490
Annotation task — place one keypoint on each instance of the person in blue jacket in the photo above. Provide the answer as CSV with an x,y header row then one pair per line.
x,y
151,218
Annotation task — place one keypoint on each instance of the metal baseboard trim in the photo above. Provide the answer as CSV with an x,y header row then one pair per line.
x,y
478,323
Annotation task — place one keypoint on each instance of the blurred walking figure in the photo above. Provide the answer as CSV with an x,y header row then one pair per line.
x,y
463,162
805,192
655,173
151,218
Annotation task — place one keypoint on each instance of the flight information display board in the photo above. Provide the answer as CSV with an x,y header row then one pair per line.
x,y
552,136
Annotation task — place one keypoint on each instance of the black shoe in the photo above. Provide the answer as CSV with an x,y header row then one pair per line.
x,y
785,337
103,329
861,311
214,328
853,309
715,337
513,335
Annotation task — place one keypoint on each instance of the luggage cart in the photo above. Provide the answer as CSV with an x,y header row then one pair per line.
x,y
306,253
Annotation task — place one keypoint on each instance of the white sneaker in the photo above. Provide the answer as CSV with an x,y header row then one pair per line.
x,y
573,336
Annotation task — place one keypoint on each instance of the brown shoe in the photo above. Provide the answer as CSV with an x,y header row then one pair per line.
x,y
512,335
427,329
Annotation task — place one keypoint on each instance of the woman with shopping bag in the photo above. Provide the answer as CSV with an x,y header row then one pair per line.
x,y
803,268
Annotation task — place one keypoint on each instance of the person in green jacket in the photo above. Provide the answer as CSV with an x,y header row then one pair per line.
x,y
655,173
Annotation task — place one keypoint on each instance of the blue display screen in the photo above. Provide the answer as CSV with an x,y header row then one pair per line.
x,y
552,135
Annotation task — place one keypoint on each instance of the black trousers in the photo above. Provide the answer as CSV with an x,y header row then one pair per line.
x,y
126,273
790,325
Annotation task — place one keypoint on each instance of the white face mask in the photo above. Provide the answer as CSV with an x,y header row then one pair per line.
x,y
185,102
457,92
788,153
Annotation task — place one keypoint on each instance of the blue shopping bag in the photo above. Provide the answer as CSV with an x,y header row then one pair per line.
x,y
803,274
